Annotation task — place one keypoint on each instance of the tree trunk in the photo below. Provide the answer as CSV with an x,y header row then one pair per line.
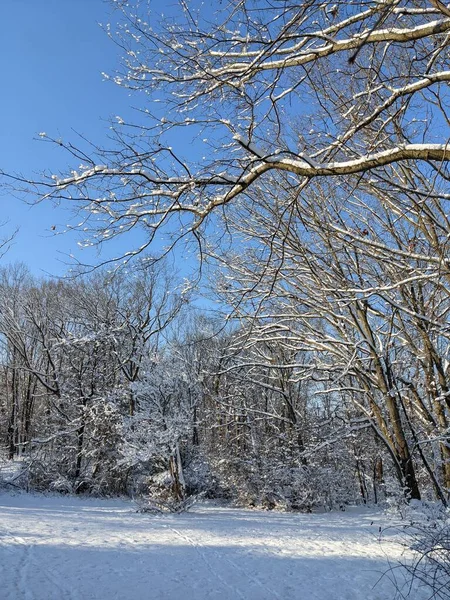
x,y
176,472
80,439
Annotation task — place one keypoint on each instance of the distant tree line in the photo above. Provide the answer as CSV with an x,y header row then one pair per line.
x,y
115,384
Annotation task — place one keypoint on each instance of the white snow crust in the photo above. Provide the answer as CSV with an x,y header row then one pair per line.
x,y
66,548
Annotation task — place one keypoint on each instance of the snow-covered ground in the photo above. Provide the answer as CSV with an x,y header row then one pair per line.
x,y
65,548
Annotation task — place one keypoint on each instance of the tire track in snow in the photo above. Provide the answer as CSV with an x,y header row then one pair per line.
x,y
237,593
22,577
24,590
19,583
247,574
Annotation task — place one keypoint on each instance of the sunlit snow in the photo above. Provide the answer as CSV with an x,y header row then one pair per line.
x,y
54,548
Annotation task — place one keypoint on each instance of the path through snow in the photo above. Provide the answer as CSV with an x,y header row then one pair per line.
x,y
64,548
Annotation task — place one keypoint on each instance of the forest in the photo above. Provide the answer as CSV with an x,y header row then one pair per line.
x,y
117,384
300,152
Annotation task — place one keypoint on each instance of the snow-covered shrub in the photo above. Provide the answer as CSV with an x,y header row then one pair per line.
x,y
155,505
289,487
50,469
13,474
429,538
52,461
45,474
432,565
101,474
200,477
62,485
239,480
426,532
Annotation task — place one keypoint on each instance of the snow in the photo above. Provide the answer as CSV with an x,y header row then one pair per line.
x,y
66,548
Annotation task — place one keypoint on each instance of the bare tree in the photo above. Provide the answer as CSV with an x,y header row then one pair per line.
x,y
337,91
359,284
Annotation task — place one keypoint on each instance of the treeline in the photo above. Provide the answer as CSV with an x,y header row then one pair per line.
x,y
115,384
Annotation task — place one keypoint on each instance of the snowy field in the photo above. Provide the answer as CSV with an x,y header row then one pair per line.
x,y
65,548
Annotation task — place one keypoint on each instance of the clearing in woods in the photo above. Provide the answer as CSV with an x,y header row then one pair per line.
x,y
66,548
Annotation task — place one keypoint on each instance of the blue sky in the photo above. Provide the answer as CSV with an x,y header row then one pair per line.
x,y
52,54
